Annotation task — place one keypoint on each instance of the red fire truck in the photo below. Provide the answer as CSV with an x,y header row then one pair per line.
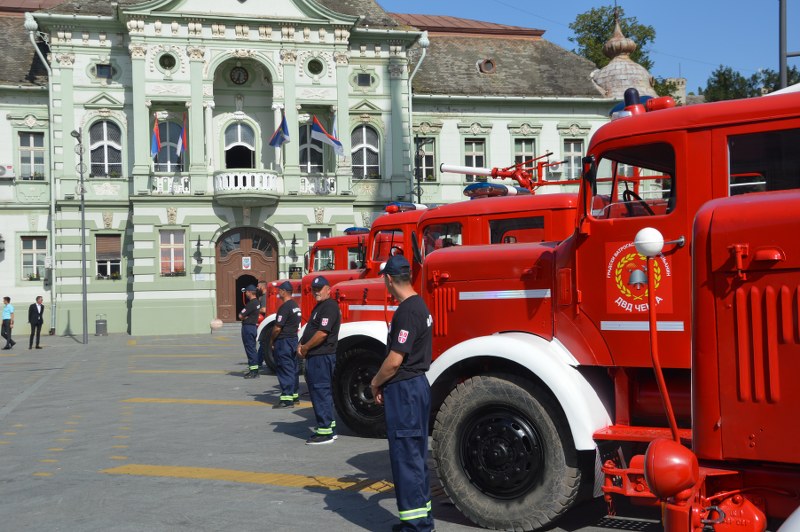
x,y
367,307
344,252
542,383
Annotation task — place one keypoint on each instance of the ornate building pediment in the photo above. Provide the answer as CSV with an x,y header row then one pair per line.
x,y
525,129
103,101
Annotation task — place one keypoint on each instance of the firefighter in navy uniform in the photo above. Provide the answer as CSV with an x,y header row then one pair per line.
x,y
249,317
284,345
402,387
318,347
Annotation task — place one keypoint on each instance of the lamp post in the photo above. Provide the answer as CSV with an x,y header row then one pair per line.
x,y
81,168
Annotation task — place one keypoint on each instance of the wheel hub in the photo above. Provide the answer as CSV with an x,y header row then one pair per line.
x,y
501,452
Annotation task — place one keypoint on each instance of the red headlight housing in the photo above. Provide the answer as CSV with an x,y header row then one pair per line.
x,y
669,468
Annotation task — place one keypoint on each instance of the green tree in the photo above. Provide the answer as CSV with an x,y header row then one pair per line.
x,y
770,79
593,28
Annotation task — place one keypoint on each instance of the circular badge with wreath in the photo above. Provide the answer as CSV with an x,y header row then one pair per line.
x,y
624,273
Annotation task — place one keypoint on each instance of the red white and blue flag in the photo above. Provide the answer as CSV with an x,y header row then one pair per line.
x,y
155,141
281,135
182,144
318,133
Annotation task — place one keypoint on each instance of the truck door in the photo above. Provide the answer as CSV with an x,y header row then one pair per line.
x,y
637,186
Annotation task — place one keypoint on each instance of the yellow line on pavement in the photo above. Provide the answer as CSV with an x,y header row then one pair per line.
x,y
8,355
42,474
178,356
253,477
180,371
167,401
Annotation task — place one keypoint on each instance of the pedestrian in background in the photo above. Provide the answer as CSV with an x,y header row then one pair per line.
x,y
318,347
284,346
8,322
262,340
36,319
249,317
402,387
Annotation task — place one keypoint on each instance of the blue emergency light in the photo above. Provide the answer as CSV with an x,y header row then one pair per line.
x,y
356,230
491,190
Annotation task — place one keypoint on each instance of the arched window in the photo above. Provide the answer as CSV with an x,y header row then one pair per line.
x,y
167,159
240,146
105,146
366,153
310,152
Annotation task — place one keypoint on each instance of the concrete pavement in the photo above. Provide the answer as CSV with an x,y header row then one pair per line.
x,y
162,433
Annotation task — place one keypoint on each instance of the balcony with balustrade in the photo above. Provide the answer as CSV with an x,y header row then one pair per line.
x,y
247,188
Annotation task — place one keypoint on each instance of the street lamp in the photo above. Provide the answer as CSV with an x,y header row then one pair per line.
x,y
81,168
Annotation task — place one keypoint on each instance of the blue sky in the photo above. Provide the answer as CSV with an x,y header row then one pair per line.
x,y
693,37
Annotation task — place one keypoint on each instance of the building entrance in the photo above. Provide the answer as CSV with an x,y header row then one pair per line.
x,y
244,256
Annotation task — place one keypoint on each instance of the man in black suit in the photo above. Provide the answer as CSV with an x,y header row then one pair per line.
x,y
35,313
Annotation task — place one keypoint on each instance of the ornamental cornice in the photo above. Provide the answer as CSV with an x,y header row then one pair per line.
x,y
428,128
341,34
288,57
396,70
196,53
474,128
524,129
573,129
342,59
30,121
243,53
104,113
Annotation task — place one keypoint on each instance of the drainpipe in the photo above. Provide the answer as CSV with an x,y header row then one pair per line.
x,y
424,42
33,27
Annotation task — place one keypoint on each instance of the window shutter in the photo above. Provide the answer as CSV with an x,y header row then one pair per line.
x,y
108,247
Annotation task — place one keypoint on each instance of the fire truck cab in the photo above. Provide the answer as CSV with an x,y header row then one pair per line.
x,y
542,370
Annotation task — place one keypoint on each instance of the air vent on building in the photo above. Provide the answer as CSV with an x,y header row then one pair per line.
x,y
487,66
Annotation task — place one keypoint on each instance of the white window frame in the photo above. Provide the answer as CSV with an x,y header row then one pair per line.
x,y
572,157
177,252
28,153
105,144
364,146
167,160
37,254
473,157
307,149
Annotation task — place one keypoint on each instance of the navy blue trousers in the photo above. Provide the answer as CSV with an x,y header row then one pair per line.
x,y
407,406
249,340
286,366
319,376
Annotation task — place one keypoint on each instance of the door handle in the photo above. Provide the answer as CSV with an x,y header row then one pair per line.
x,y
770,254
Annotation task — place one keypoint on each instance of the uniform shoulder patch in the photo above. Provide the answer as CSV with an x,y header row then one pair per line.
x,y
402,336
324,321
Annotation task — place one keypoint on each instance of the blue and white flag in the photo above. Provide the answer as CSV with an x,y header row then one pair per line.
x,y
318,133
281,135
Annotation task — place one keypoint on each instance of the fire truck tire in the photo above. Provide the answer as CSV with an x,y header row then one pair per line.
x,y
351,392
263,340
503,455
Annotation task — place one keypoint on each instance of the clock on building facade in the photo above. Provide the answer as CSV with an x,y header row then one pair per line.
x,y
239,75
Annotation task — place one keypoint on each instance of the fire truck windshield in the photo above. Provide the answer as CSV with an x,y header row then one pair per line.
x,y
635,181
437,236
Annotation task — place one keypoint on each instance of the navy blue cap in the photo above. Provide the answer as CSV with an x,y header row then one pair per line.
x,y
319,282
396,265
250,288
286,286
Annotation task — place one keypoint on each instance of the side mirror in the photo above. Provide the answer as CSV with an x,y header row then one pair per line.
x,y
415,246
305,261
589,188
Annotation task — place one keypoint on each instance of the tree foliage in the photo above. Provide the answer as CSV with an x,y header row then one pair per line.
x,y
593,28
725,83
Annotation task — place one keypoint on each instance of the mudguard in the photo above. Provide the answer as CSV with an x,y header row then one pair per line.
x,y
269,320
377,330
553,364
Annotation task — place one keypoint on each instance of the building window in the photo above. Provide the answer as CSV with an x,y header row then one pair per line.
x,y
366,154
310,152
573,151
474,155
168,159
524,150
364,80
172,253
426,158
34,249
240,146
103,71
31,156
324,259
105,145
108,251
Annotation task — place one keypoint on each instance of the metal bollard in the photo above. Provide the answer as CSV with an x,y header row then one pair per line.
x,y
101,325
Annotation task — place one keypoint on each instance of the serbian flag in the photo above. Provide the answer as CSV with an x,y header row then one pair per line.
x,y
182,145
318,133
155,142
281,135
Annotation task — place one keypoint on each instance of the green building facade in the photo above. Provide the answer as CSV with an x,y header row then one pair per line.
x,y
176,227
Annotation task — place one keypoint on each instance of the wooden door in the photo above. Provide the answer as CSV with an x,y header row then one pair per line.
x,y
244,256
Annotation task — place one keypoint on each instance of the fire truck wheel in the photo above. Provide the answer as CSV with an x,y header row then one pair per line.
x,y
351,392
503,454
263,340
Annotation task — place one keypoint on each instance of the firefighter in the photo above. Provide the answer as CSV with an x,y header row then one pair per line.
x,y
249,317
402,387
318,347
284,344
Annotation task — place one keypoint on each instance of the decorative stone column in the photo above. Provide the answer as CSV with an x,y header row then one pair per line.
x,y
64,77
344,170
291,166
209,108
142,119
197,153
399,81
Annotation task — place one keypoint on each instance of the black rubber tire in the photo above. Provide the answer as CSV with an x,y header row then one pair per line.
x,y
476,431
351,392
269,359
